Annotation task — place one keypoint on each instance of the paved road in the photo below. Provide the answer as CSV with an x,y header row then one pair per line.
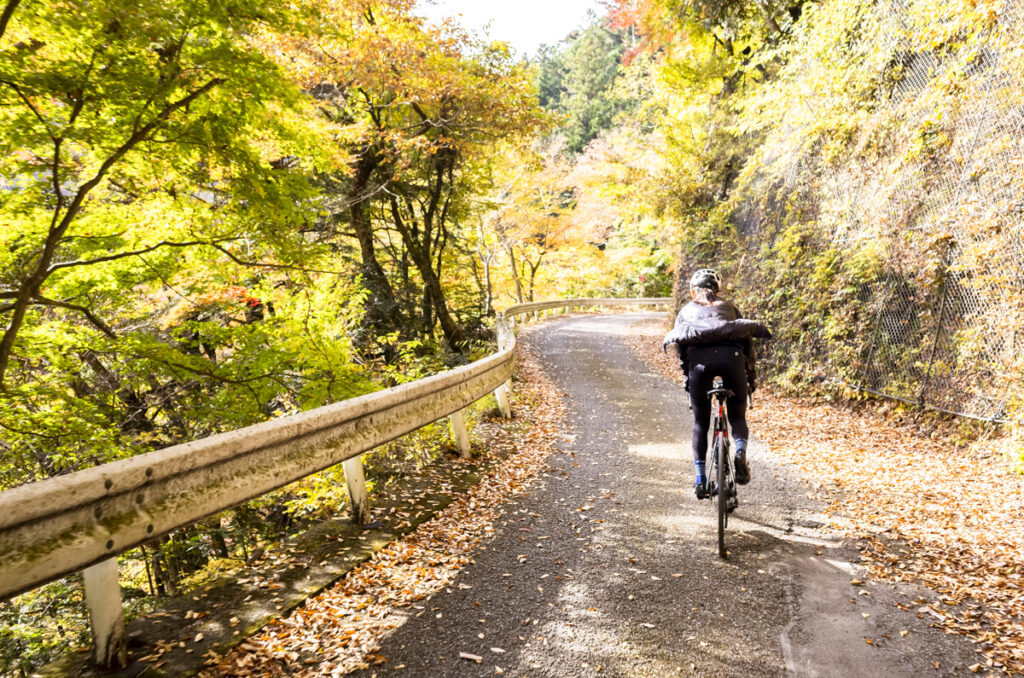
x,y
608,566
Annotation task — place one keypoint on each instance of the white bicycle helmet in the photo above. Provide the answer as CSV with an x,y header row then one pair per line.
x,y
707,278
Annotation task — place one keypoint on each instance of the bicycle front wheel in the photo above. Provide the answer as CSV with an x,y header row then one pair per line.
x,y
721,453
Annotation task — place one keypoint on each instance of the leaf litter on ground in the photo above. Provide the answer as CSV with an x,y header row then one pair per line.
x,y
341,629
925,509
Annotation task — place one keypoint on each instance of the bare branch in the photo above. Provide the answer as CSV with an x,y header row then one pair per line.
x,y
208,373
102,326
55,176
258,264
43,301
28,102
133,253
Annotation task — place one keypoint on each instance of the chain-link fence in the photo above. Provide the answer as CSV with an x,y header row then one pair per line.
x,y
941,212
952,342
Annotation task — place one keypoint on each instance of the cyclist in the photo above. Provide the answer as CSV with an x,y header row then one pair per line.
x,y
713,340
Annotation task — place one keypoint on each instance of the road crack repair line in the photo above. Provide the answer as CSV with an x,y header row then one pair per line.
x,y
936,515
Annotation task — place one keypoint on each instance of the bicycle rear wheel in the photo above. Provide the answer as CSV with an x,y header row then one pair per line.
x,y
721,453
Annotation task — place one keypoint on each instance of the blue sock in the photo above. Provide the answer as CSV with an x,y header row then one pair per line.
x,y
741,448
699,466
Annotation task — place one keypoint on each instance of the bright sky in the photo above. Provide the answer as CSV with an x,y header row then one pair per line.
x,y
525,24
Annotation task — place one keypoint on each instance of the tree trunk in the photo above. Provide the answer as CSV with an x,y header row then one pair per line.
x,y
149,570
453,333
163,572
220,545
768,18
485,254
515,274
383,314
533,272
427,313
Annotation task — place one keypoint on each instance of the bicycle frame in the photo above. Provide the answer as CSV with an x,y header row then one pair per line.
x,y
721,479
720,427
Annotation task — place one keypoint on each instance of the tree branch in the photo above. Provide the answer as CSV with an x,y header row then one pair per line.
x,y
257,264
5,17
141,134
43,301
30,286
768,18
28,102
133,253
208,373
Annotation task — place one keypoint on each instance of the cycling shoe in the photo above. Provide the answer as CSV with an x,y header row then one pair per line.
x,y
742,469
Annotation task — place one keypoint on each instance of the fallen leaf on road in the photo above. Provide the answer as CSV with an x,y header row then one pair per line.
x,y
345,624
943,511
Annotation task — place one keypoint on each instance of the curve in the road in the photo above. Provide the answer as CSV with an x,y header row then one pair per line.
x,y
609,567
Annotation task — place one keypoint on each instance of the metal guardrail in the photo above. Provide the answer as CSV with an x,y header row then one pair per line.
x,y
82,521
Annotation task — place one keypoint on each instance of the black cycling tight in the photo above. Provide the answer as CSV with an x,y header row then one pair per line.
x,y
707,362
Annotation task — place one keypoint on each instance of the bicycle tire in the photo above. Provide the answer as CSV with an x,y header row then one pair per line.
x,y
720,452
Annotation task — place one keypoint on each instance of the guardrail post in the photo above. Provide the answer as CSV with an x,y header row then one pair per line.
x,y
103,598
458,424
501,395
355,483
505,337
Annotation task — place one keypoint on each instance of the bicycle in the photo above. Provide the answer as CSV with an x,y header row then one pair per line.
x,y
721,477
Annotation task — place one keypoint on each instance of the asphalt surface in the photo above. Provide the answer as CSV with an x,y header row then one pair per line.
x,y
608,566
